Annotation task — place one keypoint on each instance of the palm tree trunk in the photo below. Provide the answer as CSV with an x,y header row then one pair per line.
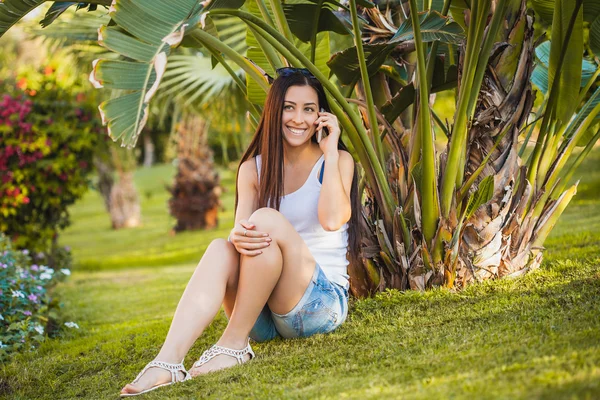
x,y
125,209
195,194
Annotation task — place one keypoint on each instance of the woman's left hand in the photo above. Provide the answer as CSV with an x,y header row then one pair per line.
x,y
329,143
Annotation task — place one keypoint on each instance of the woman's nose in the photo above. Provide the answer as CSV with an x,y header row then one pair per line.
x,y
298,118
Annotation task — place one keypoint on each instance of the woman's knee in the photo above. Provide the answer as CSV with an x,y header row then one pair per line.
x,y
221,247
266,218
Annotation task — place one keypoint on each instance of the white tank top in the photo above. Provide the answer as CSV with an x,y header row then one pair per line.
x,y
301,209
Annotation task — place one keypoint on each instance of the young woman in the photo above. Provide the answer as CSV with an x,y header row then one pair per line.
x,y
283,270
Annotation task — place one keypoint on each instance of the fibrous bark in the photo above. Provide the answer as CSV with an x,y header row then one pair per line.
x,y
195,195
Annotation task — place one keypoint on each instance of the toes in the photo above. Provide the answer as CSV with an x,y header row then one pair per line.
x,y
129,389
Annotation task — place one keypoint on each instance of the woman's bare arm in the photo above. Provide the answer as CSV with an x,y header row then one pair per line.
x,y
334,202
247,190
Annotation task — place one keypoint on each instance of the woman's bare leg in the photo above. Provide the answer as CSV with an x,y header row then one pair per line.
x,y
214,280
279,276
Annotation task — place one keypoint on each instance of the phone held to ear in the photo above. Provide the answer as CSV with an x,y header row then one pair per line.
x,y
320,132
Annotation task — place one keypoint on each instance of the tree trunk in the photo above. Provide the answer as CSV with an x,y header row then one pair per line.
x,y
124,202
148,151
195,200
105,180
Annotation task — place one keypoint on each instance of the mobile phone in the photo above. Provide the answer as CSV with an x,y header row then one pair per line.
x,y
320,133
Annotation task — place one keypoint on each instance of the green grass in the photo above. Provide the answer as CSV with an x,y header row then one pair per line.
x,y
97,247
533,337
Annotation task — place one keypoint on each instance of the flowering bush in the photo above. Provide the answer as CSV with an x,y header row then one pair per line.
x,y
27,311
48,132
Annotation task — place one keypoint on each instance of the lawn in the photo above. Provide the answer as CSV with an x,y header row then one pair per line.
x,y
533,337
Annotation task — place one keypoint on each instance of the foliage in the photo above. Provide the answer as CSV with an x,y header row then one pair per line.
x,y
532,337
415,195
29,311
49,129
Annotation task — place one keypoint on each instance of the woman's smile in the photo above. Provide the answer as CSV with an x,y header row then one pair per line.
x,y
296,131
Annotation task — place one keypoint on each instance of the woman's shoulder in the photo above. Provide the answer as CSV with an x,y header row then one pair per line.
x,y
248,169
346,160
345,155
249,164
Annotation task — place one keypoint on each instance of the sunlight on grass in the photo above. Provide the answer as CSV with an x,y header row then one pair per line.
x,y
533,337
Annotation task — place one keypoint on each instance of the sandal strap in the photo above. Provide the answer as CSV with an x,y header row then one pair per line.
x,y
216,350
172,368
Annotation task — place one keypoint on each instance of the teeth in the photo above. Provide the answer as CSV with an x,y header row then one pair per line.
x,y
296,131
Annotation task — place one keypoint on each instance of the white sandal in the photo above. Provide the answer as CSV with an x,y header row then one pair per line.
x,y
218,350
174,369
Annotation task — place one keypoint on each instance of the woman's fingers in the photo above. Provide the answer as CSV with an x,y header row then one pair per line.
x,y
246,239
247,224
246,229
251,234
253,246
249,252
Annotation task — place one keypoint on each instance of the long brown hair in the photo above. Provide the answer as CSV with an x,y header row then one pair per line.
x,y
268,142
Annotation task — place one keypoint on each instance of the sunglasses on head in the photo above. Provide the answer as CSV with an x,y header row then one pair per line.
x,y
287,71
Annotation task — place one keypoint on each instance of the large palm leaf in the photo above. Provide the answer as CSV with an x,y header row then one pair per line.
x,y
148,49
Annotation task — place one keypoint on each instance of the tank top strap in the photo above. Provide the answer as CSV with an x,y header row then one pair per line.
x,y
257,160
321,172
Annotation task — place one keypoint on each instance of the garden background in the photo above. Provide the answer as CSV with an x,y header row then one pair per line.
x,y
100,282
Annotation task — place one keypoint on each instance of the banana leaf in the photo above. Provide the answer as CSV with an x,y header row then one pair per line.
x,y
591,14
147,49
303,17
570,74
256,53
406,96
59,7
540,73
434,26
12,11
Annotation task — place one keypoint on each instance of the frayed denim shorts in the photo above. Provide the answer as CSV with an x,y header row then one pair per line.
x,y
322,308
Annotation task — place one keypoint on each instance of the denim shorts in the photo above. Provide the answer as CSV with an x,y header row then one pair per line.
x,y
322,308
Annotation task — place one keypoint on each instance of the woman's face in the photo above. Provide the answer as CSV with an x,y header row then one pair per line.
x,y
300,111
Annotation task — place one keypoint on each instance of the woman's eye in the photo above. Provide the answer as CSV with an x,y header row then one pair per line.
x,y
308,109
288,107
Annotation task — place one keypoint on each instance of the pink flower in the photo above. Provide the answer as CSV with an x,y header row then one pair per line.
x,y
32,297
28,313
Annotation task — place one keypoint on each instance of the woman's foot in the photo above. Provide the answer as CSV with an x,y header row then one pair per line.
x,y
154,376
220,361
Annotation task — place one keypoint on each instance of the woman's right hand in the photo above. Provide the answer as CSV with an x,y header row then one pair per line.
x,y
247,240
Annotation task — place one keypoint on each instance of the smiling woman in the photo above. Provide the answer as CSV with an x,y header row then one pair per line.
x,y
283,271
299,113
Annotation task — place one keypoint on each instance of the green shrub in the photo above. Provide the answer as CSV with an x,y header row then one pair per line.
x,y
48,132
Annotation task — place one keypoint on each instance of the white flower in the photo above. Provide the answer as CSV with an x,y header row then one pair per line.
x,y
39,329
3,345
17,293
1,319
45,268
71,324
66,271
45,276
